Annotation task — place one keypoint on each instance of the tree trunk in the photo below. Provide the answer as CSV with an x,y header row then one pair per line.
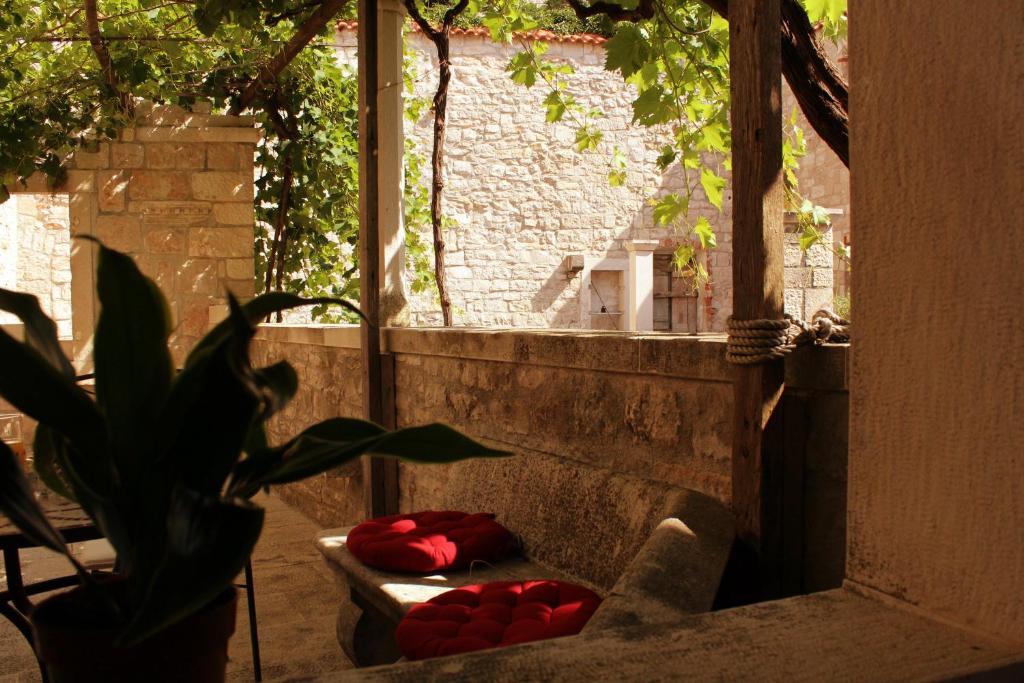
x,y
819,87
277,248
99,47
309,30
442,43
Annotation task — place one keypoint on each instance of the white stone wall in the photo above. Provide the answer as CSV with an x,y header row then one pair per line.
x,y
8,249
35,253
523,199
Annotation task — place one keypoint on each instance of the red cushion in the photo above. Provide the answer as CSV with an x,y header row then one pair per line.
x,y
494,615
429,541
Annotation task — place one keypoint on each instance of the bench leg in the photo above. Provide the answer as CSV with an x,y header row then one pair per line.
x,y
365,635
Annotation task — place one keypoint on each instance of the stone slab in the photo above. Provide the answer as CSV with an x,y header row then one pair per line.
x,y
200,134
832,636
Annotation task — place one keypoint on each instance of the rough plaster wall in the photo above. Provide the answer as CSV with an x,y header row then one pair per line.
x,y
937,439
523,198
35,253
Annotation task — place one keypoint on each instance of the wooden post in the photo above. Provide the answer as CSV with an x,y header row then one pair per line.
x,y
378,497
757,266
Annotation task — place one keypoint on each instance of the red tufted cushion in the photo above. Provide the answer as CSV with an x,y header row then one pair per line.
x,y
494,615
429,541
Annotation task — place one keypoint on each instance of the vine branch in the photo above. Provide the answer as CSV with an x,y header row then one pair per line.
x,y
817,83
99,47
267,75
442,43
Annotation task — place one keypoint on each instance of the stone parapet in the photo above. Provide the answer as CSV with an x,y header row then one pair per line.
x,y
651,405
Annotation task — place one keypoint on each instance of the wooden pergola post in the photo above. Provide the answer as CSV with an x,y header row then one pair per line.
x,y
380,475
757,266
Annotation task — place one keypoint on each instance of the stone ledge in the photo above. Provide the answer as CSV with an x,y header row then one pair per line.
x,y
337,336
697,357
836,635
220,133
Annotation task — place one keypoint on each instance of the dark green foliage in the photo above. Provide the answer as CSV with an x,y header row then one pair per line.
x,y
554,15
163,462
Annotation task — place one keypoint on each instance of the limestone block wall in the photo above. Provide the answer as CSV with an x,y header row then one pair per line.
x,y
35,253
523,199
331,385
658,407
176,192
809,275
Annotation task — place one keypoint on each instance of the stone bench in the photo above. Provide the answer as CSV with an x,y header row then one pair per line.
x,y
654,551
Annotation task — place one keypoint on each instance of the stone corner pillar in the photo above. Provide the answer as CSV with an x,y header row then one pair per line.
x,y
640,285
394,303
175,191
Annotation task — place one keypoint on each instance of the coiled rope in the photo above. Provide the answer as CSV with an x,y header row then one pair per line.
x,y
760,341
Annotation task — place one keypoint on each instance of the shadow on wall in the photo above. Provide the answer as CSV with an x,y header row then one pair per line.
x,y
560,293
560,298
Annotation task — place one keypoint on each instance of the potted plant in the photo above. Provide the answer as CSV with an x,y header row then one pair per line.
x,y
164,463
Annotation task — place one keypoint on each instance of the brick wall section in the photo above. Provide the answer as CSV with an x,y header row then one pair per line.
x,y
176,192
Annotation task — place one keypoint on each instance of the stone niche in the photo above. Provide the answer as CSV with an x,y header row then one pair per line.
x,y
175,191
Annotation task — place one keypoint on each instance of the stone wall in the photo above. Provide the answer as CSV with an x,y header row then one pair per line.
x,y
658,407
35,253
331,384
809,274
176,192
523,200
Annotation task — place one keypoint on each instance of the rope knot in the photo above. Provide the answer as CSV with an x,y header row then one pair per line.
x,y
764,340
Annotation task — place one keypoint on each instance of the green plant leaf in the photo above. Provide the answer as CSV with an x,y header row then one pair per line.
x,y
705,233
276,385
555,106
40,331
626,51
337,441
669,208
713,185
50,459
313,450
211,409
19,505
523,69
133,364
809,237
588,137
38,389
258,309
432,443
207,544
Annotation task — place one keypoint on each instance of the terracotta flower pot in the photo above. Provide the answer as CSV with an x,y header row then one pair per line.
x,y
73,650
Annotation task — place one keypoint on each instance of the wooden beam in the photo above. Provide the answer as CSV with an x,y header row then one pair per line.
x,y
757,266
379,487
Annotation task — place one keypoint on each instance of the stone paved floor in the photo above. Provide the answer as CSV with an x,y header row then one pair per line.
x,y
295,601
